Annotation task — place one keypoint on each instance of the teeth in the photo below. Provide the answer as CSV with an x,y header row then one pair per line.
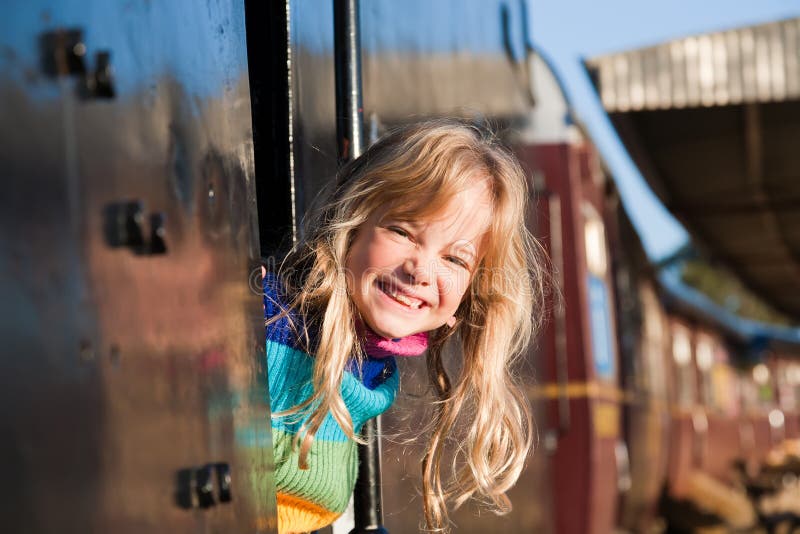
x,y
413,303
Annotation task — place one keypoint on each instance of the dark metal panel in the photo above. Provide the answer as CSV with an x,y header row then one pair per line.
x,y
420,59
270,75
445,58
129,360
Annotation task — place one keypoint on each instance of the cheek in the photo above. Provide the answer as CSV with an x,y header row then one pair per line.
x,y
367,259
354,269
455,288
383,254
360,255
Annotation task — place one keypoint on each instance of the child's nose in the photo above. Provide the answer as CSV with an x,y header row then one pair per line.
x,y
418,271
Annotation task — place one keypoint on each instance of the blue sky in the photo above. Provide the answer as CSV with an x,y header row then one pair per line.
x,y
569,30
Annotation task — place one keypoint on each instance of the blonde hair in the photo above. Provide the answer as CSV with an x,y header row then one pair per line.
x,y
416,170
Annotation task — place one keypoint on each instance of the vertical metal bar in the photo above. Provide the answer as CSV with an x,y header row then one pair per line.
x,y
350,141
562,363
367,499
347,55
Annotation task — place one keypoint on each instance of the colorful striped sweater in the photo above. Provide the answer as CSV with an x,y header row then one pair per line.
x,y
313,498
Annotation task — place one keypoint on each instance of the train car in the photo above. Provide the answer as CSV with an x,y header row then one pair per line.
x,y
132,389
682,109
699,411
645,373
718,422
577,366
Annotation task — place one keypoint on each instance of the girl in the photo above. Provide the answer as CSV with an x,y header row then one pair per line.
x,y
422,246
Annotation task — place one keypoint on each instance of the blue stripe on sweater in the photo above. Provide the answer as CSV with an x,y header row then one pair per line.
x,y
290,384
285,329
372,371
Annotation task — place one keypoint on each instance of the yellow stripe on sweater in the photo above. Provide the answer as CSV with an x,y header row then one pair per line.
x,y
296,515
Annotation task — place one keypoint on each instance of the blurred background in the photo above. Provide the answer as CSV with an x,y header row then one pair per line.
x,y
155,153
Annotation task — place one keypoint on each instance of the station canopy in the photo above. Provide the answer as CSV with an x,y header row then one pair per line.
x,y
713,123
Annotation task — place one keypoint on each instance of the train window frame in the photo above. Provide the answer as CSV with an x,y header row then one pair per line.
x,y
595,242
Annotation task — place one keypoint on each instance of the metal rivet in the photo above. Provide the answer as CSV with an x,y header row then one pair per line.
x,y
114,355
86,351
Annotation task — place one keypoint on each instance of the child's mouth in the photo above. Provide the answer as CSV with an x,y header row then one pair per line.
x,y
406,300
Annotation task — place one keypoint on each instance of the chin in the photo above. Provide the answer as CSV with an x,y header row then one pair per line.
x,y
392,331
391,334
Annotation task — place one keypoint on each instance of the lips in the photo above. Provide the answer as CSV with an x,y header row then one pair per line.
x,y
402,297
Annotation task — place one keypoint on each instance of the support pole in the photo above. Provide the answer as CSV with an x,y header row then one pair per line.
x,y
347,57
367,495
350,141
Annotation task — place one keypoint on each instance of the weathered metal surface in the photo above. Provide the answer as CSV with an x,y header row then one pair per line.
x,y
133,344
754,64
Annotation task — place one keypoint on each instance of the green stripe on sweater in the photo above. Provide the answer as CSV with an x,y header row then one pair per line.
x,y
331,473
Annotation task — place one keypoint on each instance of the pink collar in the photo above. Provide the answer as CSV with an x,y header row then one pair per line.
x,y
380,347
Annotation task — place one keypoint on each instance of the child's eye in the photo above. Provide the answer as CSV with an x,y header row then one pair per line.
x,y
455,260
399,231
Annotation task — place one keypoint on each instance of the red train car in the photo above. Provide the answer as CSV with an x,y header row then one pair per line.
x,y
577,390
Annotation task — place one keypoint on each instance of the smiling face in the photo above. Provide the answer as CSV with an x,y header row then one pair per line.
x,y
409,276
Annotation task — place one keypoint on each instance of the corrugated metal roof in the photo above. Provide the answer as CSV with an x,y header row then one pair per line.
x,y
712,122
748,65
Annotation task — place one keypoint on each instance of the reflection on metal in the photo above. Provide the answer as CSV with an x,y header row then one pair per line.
x,y
63,52
123,227
347,64
755,64
100,83
133,348
204,486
